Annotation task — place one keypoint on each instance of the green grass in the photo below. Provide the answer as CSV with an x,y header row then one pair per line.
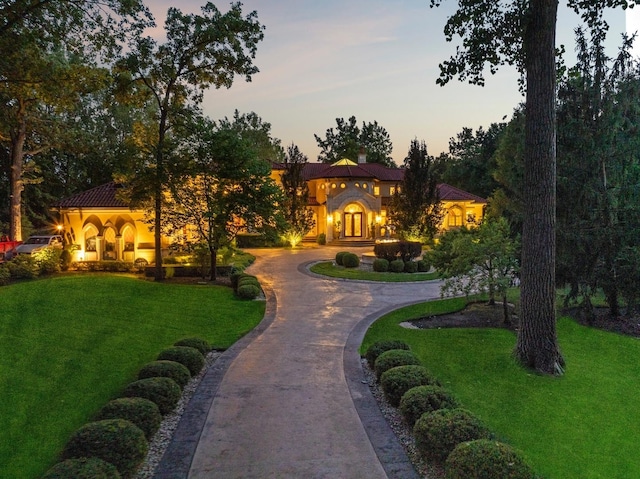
x,y
583,425
71,343
327,268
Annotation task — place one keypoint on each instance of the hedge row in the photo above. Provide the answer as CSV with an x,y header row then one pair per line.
x,y
245,286
115,443
404,250
443,432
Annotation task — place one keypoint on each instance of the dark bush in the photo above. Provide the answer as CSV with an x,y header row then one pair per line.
x,y
322,239
423,266
351,260
164,392
380,265
23,266
396,266
116,441
485,459
424,399
397,381
438,433
65,260
340,257
198,343
166,369
248,291
83,468
235,277
392,358
140,411
379,347
5,275
404,250
48,260
411,267
190,357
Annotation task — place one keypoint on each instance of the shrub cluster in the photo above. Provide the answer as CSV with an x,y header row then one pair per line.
x,y
411,267
395,382
117,441
484,458
392,358
164,392
83,468
404,250
423,266
185,355
396,266
425,399
198,343
379,347
350,260
166,369
381,265
438,433
246,286
340,257
106,266
140,411
24,266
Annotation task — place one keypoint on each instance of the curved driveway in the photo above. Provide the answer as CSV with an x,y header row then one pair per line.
x,y
288,400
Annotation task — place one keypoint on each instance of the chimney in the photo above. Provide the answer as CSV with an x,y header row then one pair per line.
x,y
362,156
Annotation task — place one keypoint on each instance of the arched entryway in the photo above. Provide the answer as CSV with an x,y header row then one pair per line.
x,y
353,217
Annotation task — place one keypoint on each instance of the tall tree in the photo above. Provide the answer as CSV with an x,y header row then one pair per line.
x,y
258,132
200,51
349,138
522,33
299,218
415,208
222,189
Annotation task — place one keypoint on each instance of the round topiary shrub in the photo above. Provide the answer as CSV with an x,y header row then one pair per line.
x,y
250,280
380,265
200,344
424,399
350,260
391,359
164,392
423,266
166,369
397,381
396,266
140,411
486,459
83,468
190,357
438,433
340,257
248,291
116,441
379,347
411,267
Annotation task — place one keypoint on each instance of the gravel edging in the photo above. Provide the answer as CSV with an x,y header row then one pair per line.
x,y
162,438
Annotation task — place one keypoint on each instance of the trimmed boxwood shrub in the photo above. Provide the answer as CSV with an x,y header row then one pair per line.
x,y
190,357
424,399
340,257
396,266
200,344
404,250
392,358
438,433
485,459
411,267
379,347
248,279
351,260
397,381
166,369
380,265
83,468
164,392
423,266
140,411
117,441
248,291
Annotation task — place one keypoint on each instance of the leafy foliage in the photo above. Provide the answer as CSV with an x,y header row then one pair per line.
x,y
299,218
163,391
395,382
425,399
141,412
392,358
166,369
379,347
484,458
185,355
83,468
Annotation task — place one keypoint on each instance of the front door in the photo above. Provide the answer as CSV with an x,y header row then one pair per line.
x,y
353,225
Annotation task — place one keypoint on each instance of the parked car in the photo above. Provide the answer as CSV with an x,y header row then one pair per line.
x,y
37,243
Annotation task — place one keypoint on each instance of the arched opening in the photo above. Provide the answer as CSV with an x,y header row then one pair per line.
x,y
109,252
90,243
353,221
455,216
128,243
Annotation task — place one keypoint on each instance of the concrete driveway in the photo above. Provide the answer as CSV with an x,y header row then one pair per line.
x,y
288,401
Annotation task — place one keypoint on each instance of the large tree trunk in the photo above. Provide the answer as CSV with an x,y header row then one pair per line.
x,y
537,345
18,138
159,182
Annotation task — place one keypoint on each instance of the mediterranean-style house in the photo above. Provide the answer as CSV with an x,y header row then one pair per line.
x,y
349,202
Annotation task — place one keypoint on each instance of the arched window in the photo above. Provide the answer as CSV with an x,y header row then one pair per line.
x,y
128,238
110,244
455,216
90,238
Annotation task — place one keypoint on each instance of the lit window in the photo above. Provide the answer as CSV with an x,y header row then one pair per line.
x,y
364,185
333,185
455,216
343,185
357,185
376,190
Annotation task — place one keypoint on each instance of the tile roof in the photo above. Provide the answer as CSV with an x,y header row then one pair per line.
x,y
103,196
451,193
313,171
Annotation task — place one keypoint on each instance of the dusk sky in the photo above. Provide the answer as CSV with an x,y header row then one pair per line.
x,y
375,59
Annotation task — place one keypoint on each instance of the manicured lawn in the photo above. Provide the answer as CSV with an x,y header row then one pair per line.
x,y
327,268
71,343
583,425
